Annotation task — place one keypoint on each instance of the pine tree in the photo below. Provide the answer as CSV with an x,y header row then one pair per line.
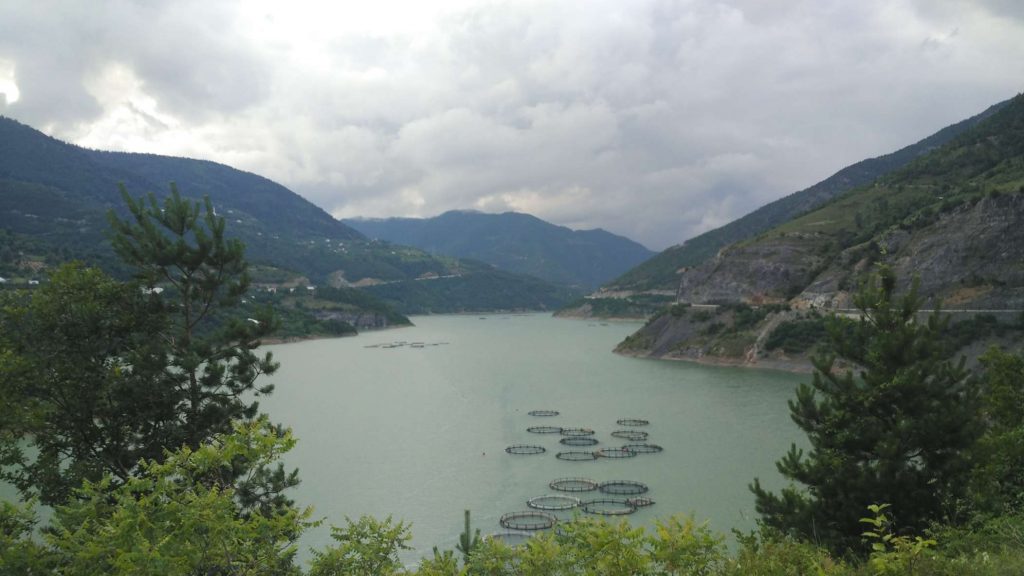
x,y
214,367
892,427
204,274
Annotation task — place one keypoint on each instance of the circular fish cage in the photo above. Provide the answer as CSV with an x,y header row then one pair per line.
x,y
640,502
643,448
525,449
543,412
510,538
631,435
553,502
545,429
577,456
527,520
579,441
577,432
632,422
608,507
573,485
623,487
615,453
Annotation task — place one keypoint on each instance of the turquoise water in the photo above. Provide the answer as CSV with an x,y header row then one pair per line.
x,y
419,433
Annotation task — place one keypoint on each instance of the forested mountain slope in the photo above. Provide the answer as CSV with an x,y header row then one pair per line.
x,y
515,242
54,198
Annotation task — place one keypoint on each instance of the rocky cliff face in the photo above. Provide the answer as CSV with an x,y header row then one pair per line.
x,y
661,271
952,219
759,272
972,256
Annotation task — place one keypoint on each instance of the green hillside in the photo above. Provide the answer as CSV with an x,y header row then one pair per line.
x,y
473,292
986,160
517,243
661,271
54,199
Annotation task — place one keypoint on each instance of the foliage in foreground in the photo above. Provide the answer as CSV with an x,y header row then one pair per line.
x,y
896,426
182,516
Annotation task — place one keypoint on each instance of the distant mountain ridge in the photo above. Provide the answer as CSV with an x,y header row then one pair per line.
x,y
515,242
54,198
662,271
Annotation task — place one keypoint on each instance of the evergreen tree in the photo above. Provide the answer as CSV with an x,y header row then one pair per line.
x,y
892,427
204,273
183,249
998,476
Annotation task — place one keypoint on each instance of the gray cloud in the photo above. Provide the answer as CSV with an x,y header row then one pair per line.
x,y
654,119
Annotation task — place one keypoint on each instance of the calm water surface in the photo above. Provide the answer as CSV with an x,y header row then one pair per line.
x,y
420,433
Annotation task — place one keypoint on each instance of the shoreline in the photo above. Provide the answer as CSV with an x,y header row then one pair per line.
x,y
790,366
634,319
296,339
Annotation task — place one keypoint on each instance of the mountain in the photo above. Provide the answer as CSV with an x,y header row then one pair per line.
x,y
59,194
662,271
496,290
515,242
953,219
54,198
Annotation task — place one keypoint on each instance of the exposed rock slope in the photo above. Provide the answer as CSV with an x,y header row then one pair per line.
x,y
954,219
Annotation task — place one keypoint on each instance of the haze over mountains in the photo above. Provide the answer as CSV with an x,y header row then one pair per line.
x,y
515,242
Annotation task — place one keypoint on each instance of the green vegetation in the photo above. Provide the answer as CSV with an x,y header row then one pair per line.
x,y
987,160
474,291
745,317
99,375
661,271
634,306
998,476
898,430
139,407
516,243
978,328
64,353
797,336
54,199
636,342
180,517
191,511
323,311
213,364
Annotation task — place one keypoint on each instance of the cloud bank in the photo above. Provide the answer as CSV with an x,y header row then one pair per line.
x,y
655,119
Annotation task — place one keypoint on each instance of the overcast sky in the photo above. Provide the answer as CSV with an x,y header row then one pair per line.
x,y
653,119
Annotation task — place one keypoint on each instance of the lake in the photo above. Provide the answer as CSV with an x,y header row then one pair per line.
x,y
420,433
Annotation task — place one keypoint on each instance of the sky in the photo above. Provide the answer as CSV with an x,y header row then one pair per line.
x,y
654,119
